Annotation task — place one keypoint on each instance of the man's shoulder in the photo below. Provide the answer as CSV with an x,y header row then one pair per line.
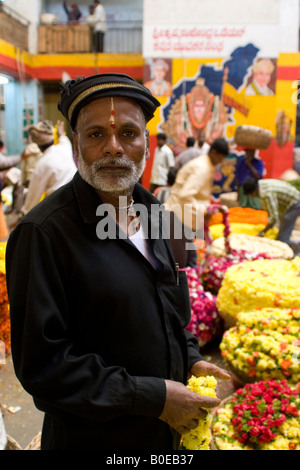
x,y
167,149
50,206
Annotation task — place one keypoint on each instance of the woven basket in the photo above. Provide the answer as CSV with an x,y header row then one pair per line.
x,y
229,320
252,137
242,378
12,444
35,444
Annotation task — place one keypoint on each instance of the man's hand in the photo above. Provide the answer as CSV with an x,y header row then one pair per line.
x,y
202,368
183,408
60,126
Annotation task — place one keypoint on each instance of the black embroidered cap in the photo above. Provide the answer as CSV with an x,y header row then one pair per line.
x,y
77,93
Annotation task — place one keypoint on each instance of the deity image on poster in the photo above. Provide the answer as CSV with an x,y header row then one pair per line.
x,y
158,75
215,97
196,113
263,79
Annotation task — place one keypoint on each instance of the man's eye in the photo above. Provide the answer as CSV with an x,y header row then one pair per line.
x,y
95,134
129,133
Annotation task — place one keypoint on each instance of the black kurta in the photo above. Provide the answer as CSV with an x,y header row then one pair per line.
x,y
95,329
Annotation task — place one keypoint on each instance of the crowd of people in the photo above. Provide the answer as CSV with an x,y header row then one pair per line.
x,y
98,324
188,178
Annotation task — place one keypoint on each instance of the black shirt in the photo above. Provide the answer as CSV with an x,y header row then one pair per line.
x,y
95,328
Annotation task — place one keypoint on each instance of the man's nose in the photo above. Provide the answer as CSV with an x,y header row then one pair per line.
x,y
113,145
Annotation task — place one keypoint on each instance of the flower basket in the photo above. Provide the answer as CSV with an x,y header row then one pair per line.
x,y
259,284
264,344
35,444
259,416
253,137
12,444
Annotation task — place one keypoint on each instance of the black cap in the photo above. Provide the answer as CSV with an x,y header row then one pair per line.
x,y
79,92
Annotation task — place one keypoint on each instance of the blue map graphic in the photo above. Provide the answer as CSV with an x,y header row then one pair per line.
x,y
238,66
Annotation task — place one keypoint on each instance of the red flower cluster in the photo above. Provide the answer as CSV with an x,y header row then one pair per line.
x,y
261,408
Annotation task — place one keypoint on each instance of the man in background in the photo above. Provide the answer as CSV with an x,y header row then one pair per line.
x,y
99,26
73,14
162,162
189,198
188,154
55,168
282,202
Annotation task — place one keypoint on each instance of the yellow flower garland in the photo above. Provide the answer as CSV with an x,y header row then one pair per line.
x,y
199,438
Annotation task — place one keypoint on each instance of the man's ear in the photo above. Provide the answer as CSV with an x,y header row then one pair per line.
x,y
75,145
147,149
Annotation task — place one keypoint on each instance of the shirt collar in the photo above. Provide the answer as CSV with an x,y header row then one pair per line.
x,y
88,201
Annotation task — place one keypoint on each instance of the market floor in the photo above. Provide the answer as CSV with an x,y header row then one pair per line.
x,y
23,421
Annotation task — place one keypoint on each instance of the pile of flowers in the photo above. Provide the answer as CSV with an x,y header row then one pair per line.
x,y
264,343
200,437
214,267
242,228
260,416
256,245
243,220
4,305
206,323
260,284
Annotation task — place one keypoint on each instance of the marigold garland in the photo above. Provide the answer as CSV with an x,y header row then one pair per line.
x,y
200,437
259,416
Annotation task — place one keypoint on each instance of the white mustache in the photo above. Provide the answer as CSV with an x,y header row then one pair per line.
x,y
112,162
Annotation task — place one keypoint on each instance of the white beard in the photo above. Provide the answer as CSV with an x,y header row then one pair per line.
x,y
117,184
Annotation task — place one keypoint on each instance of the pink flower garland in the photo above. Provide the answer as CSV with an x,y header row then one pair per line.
x,y
205,324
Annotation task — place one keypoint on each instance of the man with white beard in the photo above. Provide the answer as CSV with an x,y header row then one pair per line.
x,y
98,334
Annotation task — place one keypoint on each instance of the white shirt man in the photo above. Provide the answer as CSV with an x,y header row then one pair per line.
x,y
99,26
162,162
54,169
